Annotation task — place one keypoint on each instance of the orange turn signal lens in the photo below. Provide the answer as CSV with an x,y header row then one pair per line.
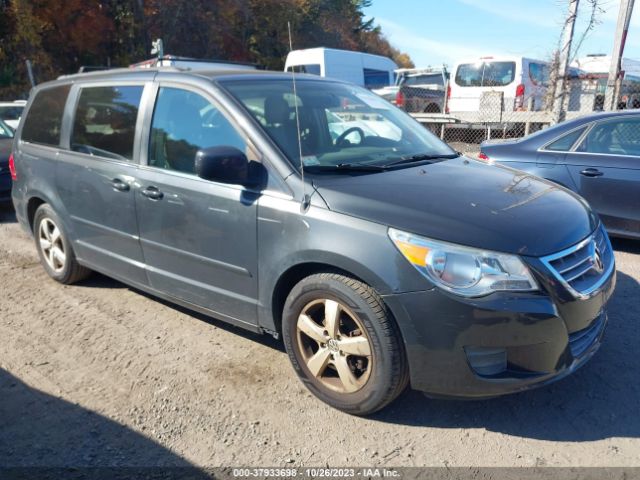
x,y
416,254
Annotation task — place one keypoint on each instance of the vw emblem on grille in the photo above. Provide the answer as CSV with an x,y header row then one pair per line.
x,y
596,259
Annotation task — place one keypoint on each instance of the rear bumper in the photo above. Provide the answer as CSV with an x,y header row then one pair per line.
x,y
444,333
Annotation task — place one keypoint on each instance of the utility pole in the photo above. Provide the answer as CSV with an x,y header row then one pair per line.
x,y
563,61
614,81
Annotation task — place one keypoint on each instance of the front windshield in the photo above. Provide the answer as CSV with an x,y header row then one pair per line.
x,y
339,123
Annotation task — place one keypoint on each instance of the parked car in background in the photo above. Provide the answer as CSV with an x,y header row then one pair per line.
x,y
388,260
363,69
6,140
422,90
597,156
10,112
520,80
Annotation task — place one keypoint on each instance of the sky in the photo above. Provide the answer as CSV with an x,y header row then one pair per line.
x,y
433,32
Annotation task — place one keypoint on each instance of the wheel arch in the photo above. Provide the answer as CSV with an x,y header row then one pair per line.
x,y
295,272
33,203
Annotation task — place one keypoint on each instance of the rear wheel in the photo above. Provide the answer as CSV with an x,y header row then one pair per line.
x,y
343,343
54,247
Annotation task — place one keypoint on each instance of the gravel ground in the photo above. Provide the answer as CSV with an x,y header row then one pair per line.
x,y
101,374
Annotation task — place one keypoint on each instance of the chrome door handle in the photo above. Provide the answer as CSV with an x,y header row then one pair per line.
x,y
152,192
120,185
591,172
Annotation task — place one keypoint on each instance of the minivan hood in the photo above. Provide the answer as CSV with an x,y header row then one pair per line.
x,y
466,202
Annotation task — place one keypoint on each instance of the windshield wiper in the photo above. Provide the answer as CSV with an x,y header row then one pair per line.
x,y
352,167
421,157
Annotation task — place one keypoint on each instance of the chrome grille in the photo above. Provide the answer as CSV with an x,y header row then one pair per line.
x,y
583,268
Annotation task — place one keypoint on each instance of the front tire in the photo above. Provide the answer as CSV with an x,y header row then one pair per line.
x,y
54,247
343,343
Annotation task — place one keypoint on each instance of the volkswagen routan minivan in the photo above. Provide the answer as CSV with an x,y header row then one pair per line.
x,y
321,214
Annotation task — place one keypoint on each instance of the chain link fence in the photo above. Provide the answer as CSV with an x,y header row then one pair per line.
x,y
466,117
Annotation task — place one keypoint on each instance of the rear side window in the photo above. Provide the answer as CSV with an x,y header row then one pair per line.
x,y
10,113
564,143
105,121
434,79
44,118
485,74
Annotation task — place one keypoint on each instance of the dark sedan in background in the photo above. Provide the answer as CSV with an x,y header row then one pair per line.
x,y
597,156
6,139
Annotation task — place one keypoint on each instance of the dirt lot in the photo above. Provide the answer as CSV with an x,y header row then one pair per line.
x,y
100,374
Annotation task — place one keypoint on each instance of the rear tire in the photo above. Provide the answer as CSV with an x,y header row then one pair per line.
x,y
54,247
344,344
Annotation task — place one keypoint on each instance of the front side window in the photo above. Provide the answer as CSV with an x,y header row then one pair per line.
x,y
618,137
485,74
339,123
183,123
105,121
564,143
44,119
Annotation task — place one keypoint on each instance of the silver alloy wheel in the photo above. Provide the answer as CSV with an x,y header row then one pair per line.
x,y
50,241
334,346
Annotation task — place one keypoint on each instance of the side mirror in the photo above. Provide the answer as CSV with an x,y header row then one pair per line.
x,y
223,164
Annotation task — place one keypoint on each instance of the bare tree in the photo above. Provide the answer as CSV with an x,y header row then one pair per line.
x,y
595,13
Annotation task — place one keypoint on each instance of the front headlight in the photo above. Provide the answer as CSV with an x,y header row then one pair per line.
x,y
465,271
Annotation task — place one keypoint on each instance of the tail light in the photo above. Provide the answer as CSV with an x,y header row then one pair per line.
x,y
12,168
483,156
519,101
446,105
399,99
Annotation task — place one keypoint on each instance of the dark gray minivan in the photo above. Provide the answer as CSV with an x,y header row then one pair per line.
x,y
319,212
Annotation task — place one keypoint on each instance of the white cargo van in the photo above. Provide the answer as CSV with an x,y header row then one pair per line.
x,y
364,69
519,79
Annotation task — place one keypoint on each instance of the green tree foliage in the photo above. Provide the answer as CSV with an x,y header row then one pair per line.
x,y
59,36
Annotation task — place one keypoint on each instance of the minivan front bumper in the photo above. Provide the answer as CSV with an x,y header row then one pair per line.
x,y
499,344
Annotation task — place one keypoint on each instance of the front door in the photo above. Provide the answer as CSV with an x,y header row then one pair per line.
x,y
198,236
606,170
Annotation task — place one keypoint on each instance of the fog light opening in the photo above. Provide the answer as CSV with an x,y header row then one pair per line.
x,y
487,361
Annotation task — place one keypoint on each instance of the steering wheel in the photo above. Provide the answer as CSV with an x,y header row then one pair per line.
x,y
347,132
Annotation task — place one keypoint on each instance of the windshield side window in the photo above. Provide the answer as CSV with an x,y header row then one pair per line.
x,y
183,123
564,143
105,121
44,119
617,137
